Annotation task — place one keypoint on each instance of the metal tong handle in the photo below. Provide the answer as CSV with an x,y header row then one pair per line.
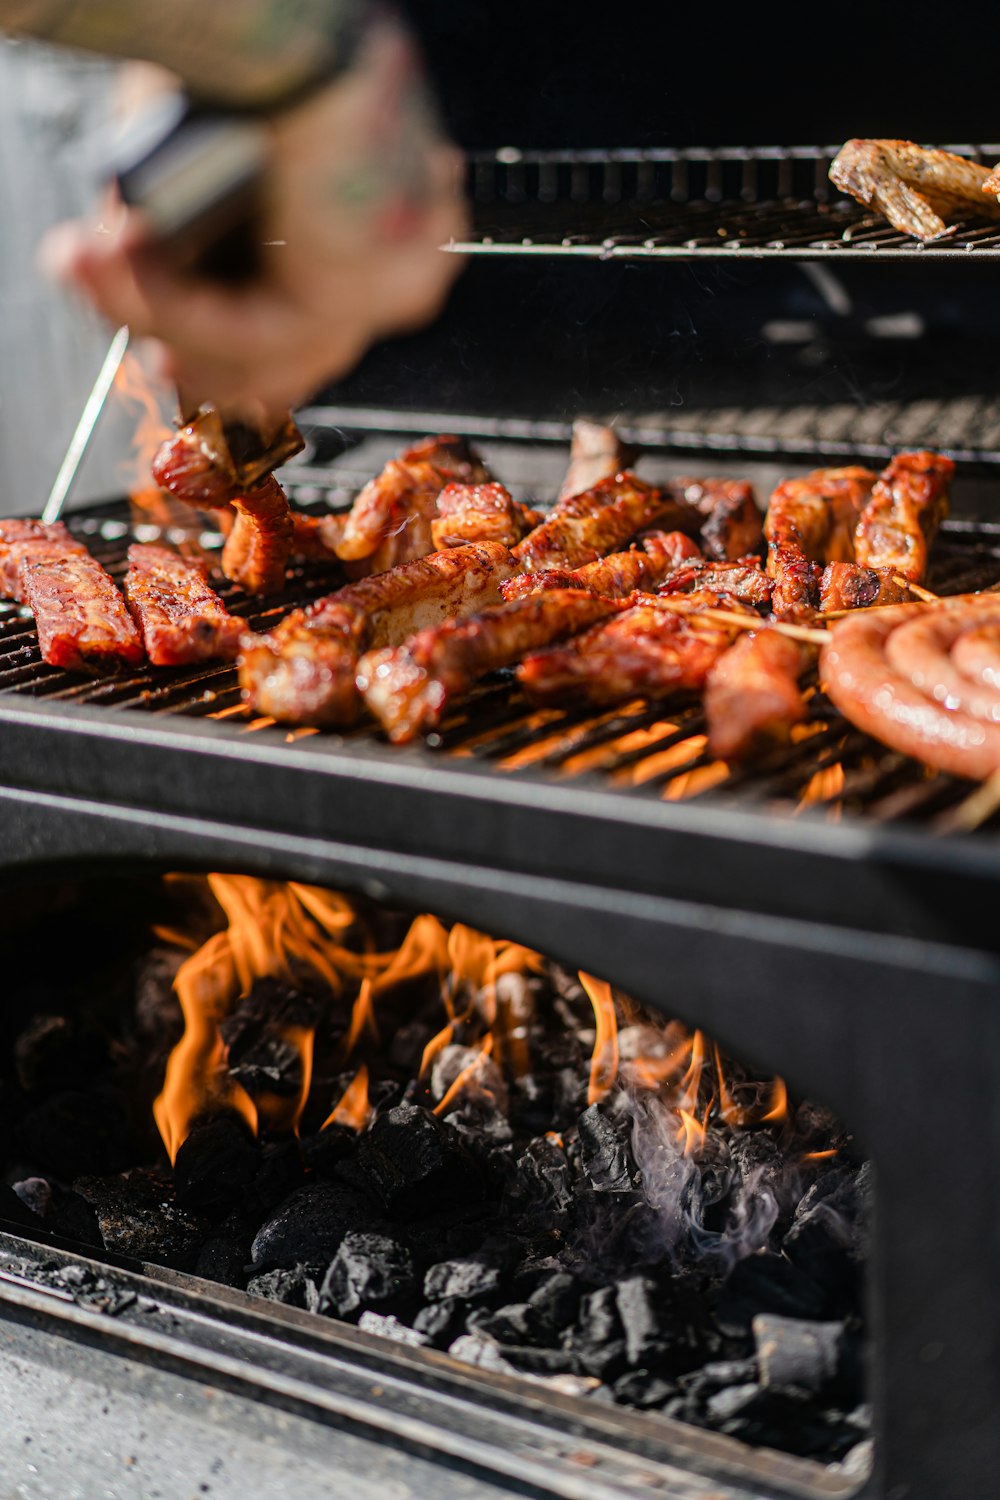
x,y
89,418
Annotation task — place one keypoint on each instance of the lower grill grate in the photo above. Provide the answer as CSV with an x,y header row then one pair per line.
x,y
652,751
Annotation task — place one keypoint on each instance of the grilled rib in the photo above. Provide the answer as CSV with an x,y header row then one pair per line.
x,y
584,527
907,505
479,513
752,695
23,539
410,688
810,522
918,190
81,618
615,577
181,619
303,672
390,520
648,651
260,543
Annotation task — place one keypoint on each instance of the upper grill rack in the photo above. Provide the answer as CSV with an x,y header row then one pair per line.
x,y
654,751
759,201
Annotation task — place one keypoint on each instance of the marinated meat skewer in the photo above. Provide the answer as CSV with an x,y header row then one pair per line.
x,y
752,694
907,505
80,616
809,522
303,672
181,619
410,688
21,539
648,651
654,558
917,190
729,520
390,520
480,513
260,543
743,579
596,453
585,527
846,585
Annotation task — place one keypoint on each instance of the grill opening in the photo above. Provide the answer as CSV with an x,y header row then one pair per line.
x,y
450,1142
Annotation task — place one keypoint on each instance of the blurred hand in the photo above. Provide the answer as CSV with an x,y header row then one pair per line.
x,y
361,193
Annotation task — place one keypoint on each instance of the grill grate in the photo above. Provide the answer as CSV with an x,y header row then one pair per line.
x,y
676,204
637,750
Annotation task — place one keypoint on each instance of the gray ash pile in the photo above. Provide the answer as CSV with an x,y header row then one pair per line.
x,y
455,1143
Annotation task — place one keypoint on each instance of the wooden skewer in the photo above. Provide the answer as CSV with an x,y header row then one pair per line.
x,y
974,809
750,622
914,588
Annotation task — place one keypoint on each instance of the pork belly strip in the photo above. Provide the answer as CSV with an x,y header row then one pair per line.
x,y
80,616
410,688
258,547
648,651
21,539
743,579
920,650
846,585
596,453
584,527
752,694
811,521
480,513
390,520
869,692
181,619
907,505
729,523
652,559
303,672
918,190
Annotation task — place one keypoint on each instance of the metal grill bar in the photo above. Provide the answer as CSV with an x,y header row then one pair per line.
x,y
637,750
758,202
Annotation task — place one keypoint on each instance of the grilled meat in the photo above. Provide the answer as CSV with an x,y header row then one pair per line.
x,y
410,688
596,453
907,505
729,518
846,585
752,694
744,579
187,465
303,672
872,694
21,539
260,543
315,538
809,522
584,527
616,576
480,513
81,618
390,520
917,190
648,651
181,619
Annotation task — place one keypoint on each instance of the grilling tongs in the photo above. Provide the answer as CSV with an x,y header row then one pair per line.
x,y
196,175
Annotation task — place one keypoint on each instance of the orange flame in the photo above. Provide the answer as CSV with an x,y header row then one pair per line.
x,y
604,1062
283,1114
691,1132
467,1076
354,1109
820,1155
779,1102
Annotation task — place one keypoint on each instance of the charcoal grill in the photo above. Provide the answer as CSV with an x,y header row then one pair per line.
x,y
845,941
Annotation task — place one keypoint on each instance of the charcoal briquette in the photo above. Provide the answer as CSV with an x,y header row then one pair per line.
x,y
387,1326
605,1152
468,1279
640,1310
311,1224
597,1342
137,1216
768,1283
415,1163
643,1389
797,1355
14,1209
731,1401
476,1349
295,1287
514,1323
215,1165
556,1300
369,1271
441,1321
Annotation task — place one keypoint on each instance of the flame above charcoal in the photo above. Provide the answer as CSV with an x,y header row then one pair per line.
x,y
151,505
354,1109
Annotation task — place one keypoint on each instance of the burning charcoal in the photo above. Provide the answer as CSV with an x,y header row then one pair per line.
x,y
556,1301
14,1210
529,1359
514,1324
795,1355
215,1165
452,1060
35,1193
369,1270
828,1235
469,1280
415,1163
406,1049
441,1321
452,1235
607,1159
295,1288
279,1173
64,1212
389,1327
73,1133
323,1152
223,1258
137,1216
643,1389
640,1309
261,1057
730,1402
768,1283
545,1178
596,1343
311,1224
